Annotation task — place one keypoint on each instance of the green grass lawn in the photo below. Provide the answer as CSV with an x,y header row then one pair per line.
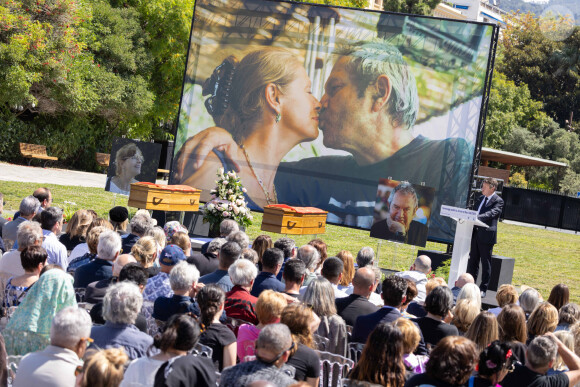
x,y
543,258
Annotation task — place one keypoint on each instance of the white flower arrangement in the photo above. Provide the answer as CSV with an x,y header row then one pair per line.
x,y
227,201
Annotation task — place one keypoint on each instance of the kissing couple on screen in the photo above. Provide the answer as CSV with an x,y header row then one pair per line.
x,y
369,107
265,103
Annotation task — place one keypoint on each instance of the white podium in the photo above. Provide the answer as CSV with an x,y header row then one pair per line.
x,y
465,219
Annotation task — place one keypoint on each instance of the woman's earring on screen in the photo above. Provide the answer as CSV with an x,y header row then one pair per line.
x,y
278,117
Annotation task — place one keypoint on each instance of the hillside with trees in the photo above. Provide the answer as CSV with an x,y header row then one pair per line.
x,y
538,9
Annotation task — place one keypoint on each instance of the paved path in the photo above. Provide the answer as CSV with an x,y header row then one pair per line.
x,y
24,173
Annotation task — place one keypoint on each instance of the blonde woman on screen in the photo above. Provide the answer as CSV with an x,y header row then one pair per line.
x,y
265,102
128,162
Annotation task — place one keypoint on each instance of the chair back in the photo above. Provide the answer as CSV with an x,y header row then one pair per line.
x,y
322,343
235,323
12,363
354,351
333,368
358,383
202,350
80,294
349,333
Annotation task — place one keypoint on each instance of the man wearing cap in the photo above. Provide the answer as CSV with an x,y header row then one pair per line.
x,y
119,217
158,285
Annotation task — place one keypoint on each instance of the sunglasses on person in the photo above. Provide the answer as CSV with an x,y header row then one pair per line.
x,y
271,362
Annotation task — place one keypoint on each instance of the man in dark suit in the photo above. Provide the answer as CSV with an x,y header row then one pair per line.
x,y
394,294
272,260
358,304
399,224
489,208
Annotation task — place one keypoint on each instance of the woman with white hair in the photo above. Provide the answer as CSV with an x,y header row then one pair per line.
x,y
320,296
240,304
470,292
121,305
529,299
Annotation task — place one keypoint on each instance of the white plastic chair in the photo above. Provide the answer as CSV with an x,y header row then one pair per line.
x,y
333,368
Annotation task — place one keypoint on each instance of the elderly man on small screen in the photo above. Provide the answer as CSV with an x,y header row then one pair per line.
x,y
399,224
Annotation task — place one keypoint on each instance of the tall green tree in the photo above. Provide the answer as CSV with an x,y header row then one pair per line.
x,y
73,74
340,3
550,68
511,106
416,7
167,24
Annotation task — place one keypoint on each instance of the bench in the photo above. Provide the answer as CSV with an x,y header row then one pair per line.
x,y
34,151
164,172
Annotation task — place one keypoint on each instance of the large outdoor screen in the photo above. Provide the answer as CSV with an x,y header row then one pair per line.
x,y
315,104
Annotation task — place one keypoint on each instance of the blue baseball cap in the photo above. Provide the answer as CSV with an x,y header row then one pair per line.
x,y
171,255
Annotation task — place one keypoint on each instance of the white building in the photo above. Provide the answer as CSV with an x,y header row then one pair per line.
x,y
448,12
479,10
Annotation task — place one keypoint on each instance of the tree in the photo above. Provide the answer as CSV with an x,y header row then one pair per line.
x,y
340,3
40,44
570,184
72,76
511,107
416,7
167,24
549,68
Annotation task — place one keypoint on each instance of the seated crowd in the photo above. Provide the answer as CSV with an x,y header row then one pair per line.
x,y
119,302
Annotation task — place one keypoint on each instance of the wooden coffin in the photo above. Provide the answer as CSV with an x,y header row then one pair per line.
x,y
284,219
164,197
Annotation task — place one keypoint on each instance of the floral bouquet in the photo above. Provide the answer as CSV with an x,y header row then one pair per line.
x,y
227,202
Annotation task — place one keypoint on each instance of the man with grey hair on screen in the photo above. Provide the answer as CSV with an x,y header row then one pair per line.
x,y
55,366
399,225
